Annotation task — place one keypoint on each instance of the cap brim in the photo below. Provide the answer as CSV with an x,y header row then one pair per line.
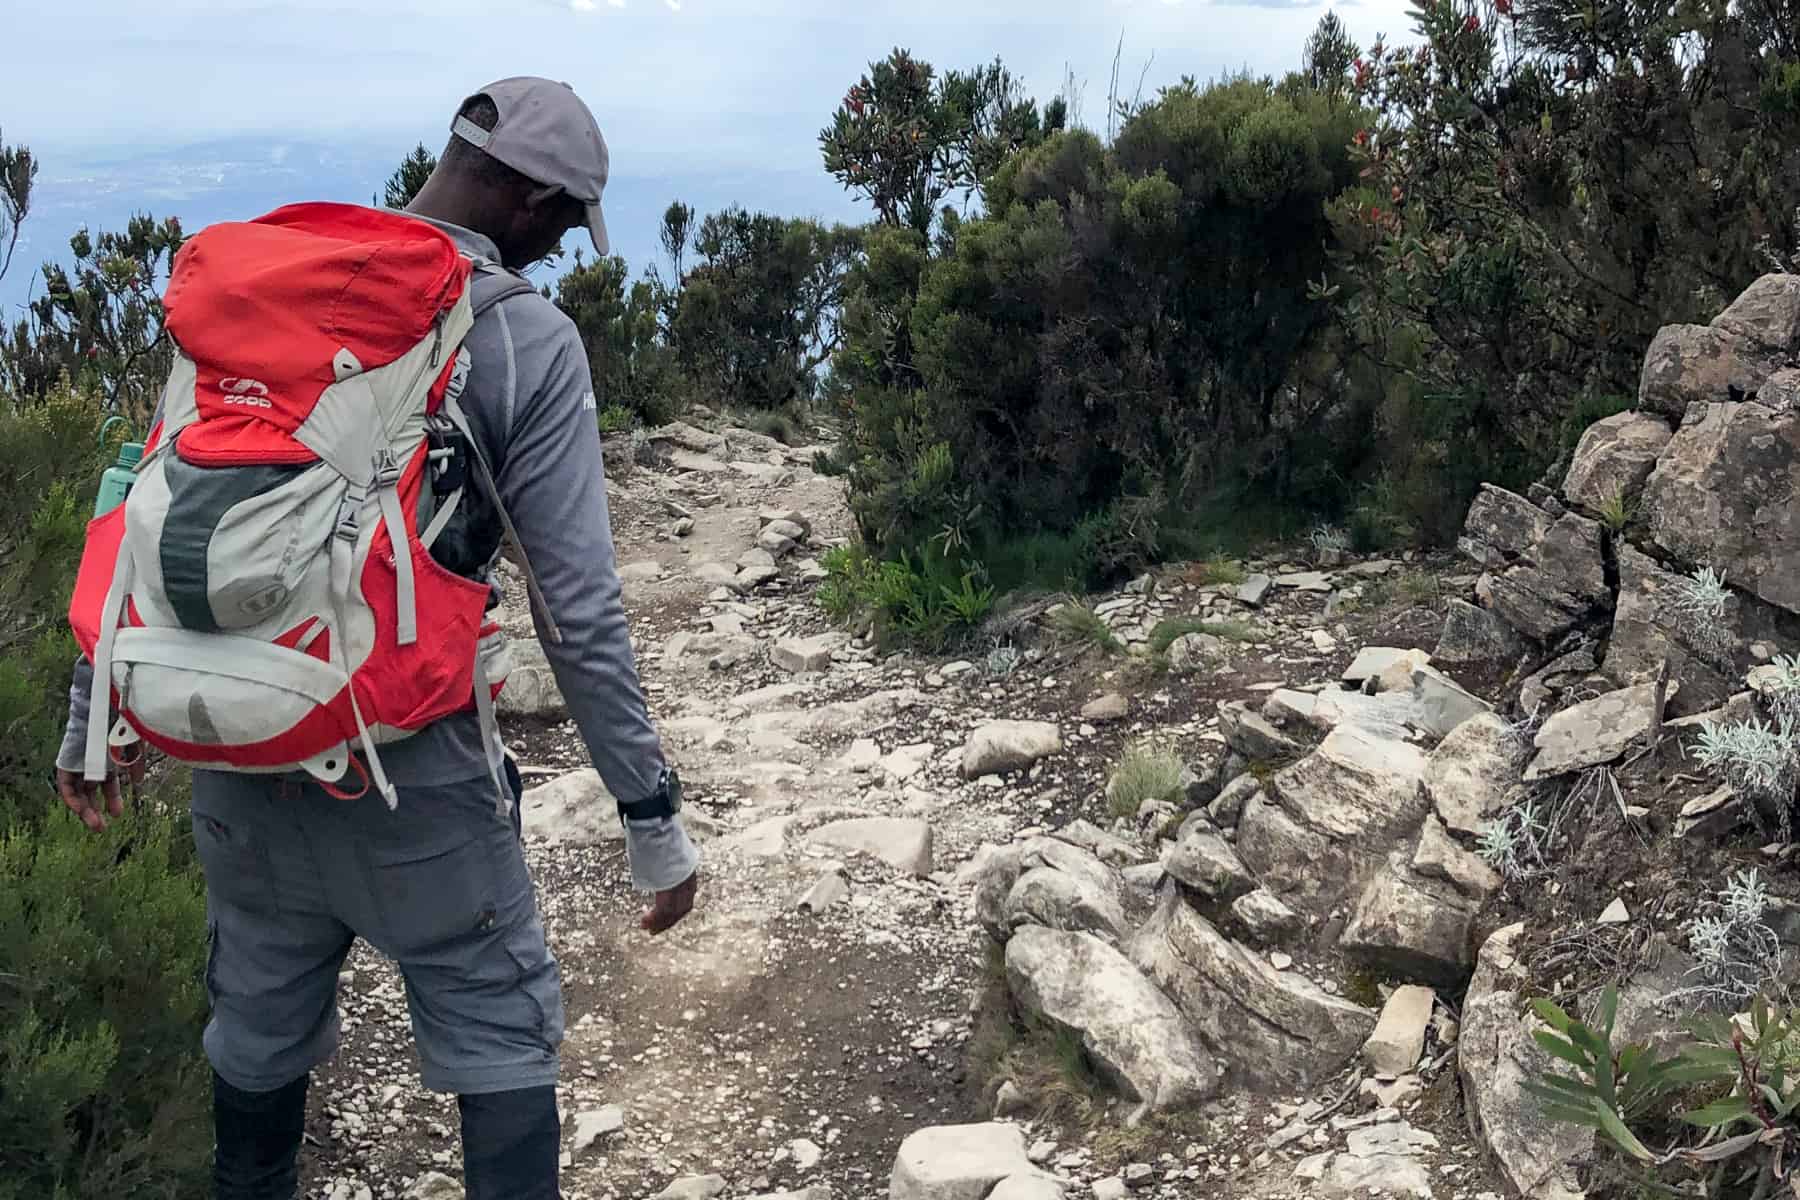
x,y
596,223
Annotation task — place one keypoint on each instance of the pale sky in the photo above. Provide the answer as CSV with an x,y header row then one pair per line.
x,y
718,100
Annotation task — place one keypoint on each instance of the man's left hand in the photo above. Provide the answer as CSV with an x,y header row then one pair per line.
x,y
670,906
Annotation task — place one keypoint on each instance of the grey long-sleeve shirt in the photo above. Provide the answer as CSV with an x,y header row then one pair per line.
x,y
530,402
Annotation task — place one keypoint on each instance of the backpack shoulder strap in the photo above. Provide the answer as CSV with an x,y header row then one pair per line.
x,y
507,285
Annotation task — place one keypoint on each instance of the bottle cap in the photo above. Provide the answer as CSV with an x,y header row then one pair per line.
x,y
130,453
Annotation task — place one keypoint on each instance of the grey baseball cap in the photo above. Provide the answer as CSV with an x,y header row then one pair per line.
x,y
546,134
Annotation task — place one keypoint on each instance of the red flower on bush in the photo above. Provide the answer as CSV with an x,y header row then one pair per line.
x,y
1472,24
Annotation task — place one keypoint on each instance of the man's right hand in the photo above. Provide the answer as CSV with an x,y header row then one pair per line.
x,y
93,802
669,907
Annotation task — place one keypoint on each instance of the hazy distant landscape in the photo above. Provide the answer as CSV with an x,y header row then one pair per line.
x,y
238,178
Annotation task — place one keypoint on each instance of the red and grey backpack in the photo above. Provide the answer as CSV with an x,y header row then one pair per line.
x,y
266,598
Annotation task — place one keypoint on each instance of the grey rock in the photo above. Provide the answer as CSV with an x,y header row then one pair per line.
x,y
718,575
641,572
531,689
1440,857
1112,1188
1253,736
1370,1171
1104,710
1192,651
831,889
808,655
1413,927
1228,808
1614,459
1495,1056
901,842
1593,733
958,1162
1113,851
1272,1028
1266,918
1399,1037
1767,315
594,1124
1128,1028
1781,391
694,1187
434,1185
571,810
1501,527
1334,815
1004,746
1475,635
1471,774
1644,633
1305,581
1724,493
1027,1187
1254,590
1443,705
1710,816
786,517
689,437
1537,692
1204,861
1371,662
1702,364
1560,587
1388,714
1050,882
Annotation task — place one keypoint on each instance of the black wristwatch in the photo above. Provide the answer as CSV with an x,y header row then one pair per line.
x,y
664,802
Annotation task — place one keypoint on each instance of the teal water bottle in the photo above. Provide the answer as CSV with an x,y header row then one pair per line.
x,y
116,480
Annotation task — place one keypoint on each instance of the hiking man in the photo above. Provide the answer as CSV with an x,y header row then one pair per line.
x,y
435,878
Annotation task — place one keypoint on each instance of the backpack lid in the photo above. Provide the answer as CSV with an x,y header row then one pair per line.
x,y
265,307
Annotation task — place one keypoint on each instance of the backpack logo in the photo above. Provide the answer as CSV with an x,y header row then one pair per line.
x,y
251,393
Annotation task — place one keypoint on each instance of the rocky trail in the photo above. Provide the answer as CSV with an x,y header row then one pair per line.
x,y
949,949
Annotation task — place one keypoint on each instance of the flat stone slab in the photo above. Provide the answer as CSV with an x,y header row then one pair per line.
x,y
1593,733
901,842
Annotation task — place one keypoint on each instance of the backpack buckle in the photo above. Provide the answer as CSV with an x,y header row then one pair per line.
x,y
387,469
346,528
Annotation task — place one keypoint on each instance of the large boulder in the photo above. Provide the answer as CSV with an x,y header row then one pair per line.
x,y
1561,585
1128,1028
1254,736
1475,635
1501,527
1614,460
1409,925
1470,776
1203,860
1767,315
1049,882
531,689
574,809
1726,493
1333,816
1496,1055
1275,1029
1704,364
1645,634
1003,746
958,1162
904,843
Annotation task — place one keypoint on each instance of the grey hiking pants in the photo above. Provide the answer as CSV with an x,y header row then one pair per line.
x,y
439,885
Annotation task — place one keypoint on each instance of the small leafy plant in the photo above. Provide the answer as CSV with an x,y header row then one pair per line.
x,y
1760,762
1616,512
1081,624
1743,1140
1698,603
1735,953
1145,774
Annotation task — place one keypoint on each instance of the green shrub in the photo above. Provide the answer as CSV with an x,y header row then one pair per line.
x,y
1082,625
1172,629
1145,774
616,418
924,602
103,1089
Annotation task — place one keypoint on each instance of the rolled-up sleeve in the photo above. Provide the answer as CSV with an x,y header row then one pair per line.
x,y
552,480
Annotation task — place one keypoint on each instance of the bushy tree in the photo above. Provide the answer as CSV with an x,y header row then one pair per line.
x,y
620,326
906,138
409,177
1115,335
17,171
757,315
100,322
1546,184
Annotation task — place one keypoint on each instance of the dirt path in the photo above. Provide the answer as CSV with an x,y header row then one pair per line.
x,y
768,1044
